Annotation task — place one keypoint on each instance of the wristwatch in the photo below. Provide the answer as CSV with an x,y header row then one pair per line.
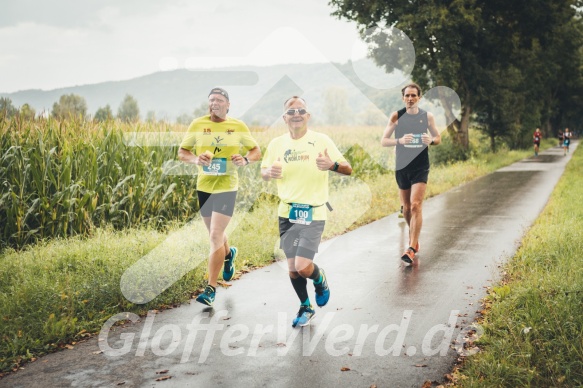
x,y
432,142
247,160
336,165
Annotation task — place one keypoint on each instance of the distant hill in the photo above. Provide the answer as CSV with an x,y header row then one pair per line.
x,y
257,93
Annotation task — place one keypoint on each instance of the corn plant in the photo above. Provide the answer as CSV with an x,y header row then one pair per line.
x,y
61,178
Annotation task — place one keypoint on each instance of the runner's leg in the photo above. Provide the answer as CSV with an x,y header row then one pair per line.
x,y
217,227
405,196
299,282
416,220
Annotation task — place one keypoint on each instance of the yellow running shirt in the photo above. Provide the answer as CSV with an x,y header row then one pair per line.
x,y
302,182
223,140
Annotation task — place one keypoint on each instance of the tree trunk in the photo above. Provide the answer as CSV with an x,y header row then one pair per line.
x,y
493,142
459,129
463,132
547,129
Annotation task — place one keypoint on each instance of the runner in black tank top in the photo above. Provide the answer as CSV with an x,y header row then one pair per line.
x,y
414,131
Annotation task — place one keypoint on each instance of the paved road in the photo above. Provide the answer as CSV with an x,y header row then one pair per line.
x,y
386,324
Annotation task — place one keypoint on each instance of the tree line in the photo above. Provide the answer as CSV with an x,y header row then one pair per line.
x,y
336,110
516,65
73,106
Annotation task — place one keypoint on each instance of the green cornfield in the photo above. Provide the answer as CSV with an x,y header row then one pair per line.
x,y
62,178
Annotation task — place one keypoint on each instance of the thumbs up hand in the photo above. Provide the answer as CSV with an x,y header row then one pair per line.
x,y
323,162
276,169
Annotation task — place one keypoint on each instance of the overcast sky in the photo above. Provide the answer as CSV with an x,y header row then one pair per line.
x,y
57,43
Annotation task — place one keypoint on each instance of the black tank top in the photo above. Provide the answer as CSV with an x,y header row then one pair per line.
x,y
414,155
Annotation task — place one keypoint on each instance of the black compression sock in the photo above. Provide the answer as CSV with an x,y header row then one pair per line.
x,y
300,288
316,274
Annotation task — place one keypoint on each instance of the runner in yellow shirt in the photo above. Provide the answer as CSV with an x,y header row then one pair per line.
x,y
299,161
213,143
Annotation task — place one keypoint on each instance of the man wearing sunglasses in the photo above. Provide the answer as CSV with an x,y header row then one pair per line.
x,y
213,143
410,126
300,162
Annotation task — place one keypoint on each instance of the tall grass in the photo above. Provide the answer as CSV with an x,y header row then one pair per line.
x,y
61,178
533,324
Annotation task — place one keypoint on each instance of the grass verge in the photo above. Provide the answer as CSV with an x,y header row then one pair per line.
x,y
55,293
533,323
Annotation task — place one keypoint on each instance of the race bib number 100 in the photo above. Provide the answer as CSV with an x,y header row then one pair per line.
x,y
300,214
218,166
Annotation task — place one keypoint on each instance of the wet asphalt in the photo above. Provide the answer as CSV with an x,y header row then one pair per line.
x,y
387,324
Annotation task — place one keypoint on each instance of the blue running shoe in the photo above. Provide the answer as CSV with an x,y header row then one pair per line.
x,y
322,290
304,316
229,268
208,296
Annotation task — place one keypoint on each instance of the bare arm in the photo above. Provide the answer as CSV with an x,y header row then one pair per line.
x,y
253,155
344,168
386,140
435,136
188,157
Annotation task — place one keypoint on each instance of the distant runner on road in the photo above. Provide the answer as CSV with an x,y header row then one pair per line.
x,y
410,126
212,142
300,161
566,140
536,137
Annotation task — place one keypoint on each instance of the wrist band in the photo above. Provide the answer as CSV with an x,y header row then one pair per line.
x,y
247,160
336,165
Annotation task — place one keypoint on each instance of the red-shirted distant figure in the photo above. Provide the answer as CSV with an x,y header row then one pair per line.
x,y
536,137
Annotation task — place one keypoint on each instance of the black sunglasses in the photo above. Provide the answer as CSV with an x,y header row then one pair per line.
x,y
291,112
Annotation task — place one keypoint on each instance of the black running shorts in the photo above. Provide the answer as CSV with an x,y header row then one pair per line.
x,y
407,177
300,240
223,203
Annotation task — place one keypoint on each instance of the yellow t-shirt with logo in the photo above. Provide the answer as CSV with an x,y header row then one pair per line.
x,y
223,139
302,182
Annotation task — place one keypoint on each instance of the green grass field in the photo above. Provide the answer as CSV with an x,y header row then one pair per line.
x,y
533,324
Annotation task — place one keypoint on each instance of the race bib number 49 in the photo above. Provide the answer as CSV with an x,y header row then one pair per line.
x,y
300,214
218,166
